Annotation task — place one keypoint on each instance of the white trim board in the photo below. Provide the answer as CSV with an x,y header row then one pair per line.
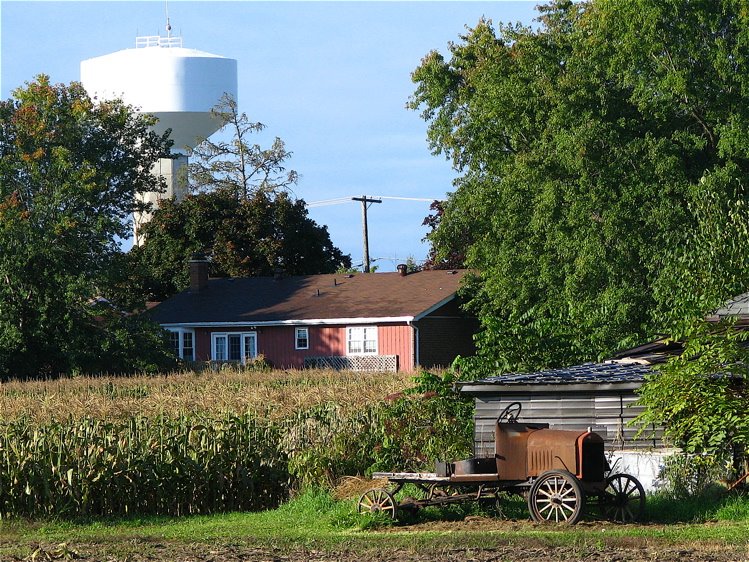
x,y
310,322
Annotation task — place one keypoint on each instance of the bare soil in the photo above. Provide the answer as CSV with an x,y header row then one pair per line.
x,y
233,553
627,549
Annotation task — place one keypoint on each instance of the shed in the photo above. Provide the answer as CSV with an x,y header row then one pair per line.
x,y
599,396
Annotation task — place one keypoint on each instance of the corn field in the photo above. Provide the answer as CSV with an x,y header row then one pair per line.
x,y
268,394
296,430
165,465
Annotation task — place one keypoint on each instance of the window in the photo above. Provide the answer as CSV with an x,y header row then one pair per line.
x,y
302,338
361,340
239,347
182,343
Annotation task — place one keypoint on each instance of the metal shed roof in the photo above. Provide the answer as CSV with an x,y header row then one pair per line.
x,y
586,377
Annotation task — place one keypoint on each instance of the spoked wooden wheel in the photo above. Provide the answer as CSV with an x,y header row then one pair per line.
x,y
623,500
378,500
556,497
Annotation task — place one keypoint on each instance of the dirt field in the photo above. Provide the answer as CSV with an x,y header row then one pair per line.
x,y
629,547
135,552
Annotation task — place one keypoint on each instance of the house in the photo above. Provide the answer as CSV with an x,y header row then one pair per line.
x,y
377,321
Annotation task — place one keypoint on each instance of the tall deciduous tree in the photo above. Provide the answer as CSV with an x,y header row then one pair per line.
x,y
240,215
452,257
248,237
240,166
69,172
604,158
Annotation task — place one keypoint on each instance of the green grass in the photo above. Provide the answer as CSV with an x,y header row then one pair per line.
x,y
315,520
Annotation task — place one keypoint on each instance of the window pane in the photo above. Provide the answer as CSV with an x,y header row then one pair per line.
x,y
187,348
302,338
235,347
249,346
361,340
220,348
174,341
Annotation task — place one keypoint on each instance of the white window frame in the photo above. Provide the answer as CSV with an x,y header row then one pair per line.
x,y
362,334
182,332
244,353
297,333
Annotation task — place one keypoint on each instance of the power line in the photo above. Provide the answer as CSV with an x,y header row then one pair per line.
x,y
342,200
407,198
366,202
325,202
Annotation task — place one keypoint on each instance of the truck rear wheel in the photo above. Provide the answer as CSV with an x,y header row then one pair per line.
x,y
623,500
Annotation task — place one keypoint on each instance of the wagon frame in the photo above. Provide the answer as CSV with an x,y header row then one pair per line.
x,y
558,472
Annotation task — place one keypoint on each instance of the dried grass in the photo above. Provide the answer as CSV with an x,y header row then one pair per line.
x,y
352,487
270,394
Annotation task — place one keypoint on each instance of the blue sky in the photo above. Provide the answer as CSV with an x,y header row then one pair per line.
x,y
330,78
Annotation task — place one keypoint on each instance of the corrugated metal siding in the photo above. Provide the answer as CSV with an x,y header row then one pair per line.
x,y
606,414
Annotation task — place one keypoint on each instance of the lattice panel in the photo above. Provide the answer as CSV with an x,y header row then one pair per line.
x,y
378,363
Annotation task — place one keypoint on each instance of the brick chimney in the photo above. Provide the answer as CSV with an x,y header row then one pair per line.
x,y
198,274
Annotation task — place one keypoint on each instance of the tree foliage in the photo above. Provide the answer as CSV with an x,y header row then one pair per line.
x,y
238,166
452,257
603,159
69,172
240,216
702,395
242,238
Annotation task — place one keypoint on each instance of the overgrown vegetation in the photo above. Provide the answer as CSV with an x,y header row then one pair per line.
x,y
702,398
214,441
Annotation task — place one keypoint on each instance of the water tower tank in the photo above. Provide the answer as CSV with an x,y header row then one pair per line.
x,y
179,86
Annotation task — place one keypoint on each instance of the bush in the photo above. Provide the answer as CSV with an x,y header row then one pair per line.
x,y
685,476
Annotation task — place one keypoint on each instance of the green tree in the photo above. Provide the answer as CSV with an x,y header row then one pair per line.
x,y
242,237
240,215
603,159
449,258
69,172
701,396
239,166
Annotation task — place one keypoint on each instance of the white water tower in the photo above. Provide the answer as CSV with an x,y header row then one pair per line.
x,y
179,86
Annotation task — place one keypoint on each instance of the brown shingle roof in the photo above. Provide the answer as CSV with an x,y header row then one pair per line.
x,y
312,297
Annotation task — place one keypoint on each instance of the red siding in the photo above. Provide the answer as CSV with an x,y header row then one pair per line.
x,y
277,343
397,339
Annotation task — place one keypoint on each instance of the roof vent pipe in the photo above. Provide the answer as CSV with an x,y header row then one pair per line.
x,y
402,269
198,274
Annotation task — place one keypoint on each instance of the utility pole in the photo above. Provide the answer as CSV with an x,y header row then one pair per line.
x,y
365,203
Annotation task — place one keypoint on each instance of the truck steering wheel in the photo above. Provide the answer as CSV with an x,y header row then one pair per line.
x,y
511,413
